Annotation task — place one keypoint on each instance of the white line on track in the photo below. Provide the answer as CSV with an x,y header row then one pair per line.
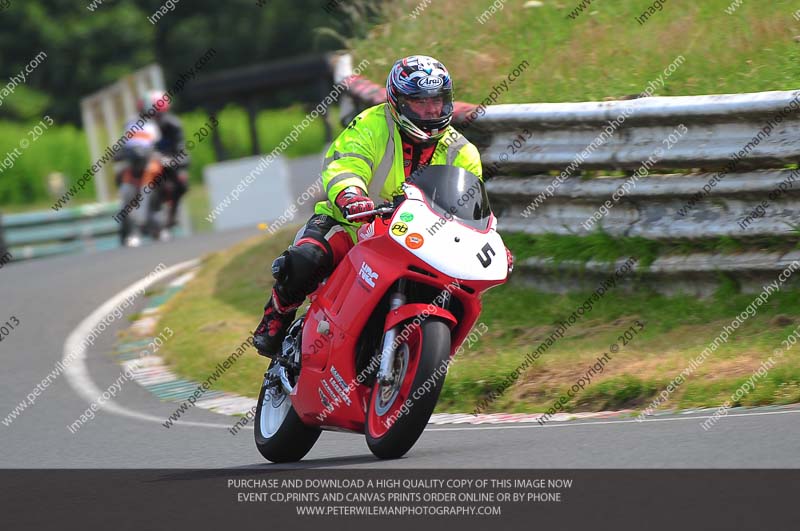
x,y
577,423
76,371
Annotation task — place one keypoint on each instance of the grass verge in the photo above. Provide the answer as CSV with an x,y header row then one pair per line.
x,y
600,53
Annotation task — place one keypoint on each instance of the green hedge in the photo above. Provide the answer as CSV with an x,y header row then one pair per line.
x,y
59,148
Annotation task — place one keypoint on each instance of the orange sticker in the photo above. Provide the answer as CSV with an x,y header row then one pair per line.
x,y
414,241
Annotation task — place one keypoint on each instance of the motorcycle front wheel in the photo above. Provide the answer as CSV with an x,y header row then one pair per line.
x,y
281,437
398,412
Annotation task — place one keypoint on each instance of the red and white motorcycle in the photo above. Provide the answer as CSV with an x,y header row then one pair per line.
x,y
371,353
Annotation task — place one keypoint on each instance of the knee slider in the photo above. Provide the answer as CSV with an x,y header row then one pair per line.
x,y
305,266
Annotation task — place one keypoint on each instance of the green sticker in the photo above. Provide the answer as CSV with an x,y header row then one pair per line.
x,y
406,216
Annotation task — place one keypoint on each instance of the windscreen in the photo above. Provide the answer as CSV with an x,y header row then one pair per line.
x,y
452,191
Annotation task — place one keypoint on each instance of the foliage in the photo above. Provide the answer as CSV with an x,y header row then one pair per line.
x,y
87,50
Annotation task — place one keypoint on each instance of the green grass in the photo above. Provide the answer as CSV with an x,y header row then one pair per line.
x,y
676,330
217,310
598,246
603,53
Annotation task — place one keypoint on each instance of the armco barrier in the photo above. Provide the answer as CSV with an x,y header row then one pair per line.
x,y
742,143
717,127
47,233
651,209
745,143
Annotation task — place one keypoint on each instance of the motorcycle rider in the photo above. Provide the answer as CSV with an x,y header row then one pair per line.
x,y
136,163
141,142
172,145
381,148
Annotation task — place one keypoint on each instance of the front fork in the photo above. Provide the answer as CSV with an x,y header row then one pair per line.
x,y
397,299
388,348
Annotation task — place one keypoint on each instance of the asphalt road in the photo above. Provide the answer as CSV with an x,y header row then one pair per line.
x,y
51,297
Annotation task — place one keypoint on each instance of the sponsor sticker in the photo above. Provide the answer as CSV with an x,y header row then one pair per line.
x,y
407,216
339,379
366,231
399,228
340,391
414,240
368,275
430,82
333,395
324,399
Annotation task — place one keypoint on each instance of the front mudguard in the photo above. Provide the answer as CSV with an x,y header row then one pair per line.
x,y
420,311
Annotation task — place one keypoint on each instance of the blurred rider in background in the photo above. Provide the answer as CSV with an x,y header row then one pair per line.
x,y
172,146
136,163
155,152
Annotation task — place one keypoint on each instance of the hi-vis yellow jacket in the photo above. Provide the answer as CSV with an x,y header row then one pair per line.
x,y
369,154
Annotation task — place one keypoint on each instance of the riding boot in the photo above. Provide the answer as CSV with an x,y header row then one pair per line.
x,y
269,335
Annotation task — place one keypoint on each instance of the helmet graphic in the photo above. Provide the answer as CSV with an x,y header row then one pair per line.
x,y
420,97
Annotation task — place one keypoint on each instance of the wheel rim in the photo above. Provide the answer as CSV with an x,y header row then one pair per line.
x,y
387,394
387,401
275,407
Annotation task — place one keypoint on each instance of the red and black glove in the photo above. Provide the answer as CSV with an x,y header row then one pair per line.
x,y
354,200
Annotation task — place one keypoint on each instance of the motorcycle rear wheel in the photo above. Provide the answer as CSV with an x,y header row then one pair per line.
x,y
397,414
280,435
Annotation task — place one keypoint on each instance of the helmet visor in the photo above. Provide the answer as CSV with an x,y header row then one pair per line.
x,y
427,109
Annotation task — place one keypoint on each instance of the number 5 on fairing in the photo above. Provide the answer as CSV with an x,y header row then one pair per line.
x,y
486,259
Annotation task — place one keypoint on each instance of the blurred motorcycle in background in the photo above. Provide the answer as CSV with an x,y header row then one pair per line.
x,y
143,190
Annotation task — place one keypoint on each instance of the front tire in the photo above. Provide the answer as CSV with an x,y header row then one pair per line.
x,y
280,435
125,230
398,414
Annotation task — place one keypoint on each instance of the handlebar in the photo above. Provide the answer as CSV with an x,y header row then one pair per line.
x,y
382,210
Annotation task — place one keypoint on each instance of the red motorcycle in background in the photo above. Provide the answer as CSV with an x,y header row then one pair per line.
x,y
371,353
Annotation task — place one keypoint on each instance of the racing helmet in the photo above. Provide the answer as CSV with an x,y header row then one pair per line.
x,y
417,77
156,100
